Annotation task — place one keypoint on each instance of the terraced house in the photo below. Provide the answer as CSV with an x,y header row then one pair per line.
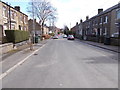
x,y
101,26
11,18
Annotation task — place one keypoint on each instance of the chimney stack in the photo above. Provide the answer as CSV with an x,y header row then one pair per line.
x,y
17,8
87,17
81,21
76,23
100,10
35,20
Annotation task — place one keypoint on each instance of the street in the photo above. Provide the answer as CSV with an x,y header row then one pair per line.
x,y
63,63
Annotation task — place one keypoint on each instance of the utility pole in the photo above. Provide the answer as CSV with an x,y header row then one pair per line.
x,y
32,36
119,18
33,20
9,17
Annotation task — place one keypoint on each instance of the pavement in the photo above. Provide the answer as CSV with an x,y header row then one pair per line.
x,y
64,63
15,56
101,45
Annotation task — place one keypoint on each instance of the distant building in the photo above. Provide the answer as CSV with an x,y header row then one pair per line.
x,y
37,27
54,29
46,30
11,18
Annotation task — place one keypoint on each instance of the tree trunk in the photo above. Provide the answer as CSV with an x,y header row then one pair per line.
x,y
42,27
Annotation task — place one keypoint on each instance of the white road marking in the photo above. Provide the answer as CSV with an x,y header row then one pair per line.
x,y
18,64
61,84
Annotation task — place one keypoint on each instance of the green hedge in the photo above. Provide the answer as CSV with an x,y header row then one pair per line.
x,y
16,36
4,40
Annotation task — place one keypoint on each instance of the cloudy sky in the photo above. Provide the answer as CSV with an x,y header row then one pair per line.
x,y
71,11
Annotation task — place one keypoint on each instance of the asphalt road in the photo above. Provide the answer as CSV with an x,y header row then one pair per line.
x,y
66,64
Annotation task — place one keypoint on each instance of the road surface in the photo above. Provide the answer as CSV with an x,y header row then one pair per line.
x,y
66,64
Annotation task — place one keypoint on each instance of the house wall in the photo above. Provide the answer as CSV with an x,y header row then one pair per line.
x,y
1,13
114,28
1,33
46,30
16,21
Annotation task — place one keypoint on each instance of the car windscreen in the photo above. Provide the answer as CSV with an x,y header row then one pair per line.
x,y
71,36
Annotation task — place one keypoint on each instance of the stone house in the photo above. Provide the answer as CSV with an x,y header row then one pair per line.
x,y
11,18
37,27
101,25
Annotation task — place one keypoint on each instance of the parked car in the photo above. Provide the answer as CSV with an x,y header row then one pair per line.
x,y
65,36
115,34
70,37
55,37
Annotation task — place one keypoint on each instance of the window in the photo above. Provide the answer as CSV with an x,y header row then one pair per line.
x,y
105,32
25,19
100,31
101,20
25,28
118,14
13,27
21,18
19,27
95,22
5,14
15,14
12,14
4,28
106,19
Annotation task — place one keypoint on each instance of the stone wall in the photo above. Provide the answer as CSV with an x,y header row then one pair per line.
x,y
4,48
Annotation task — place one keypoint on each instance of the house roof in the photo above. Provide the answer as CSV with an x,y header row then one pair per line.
x,y
109,10
104,12
13,8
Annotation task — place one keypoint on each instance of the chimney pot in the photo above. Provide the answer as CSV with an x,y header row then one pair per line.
x,y
87,17
17,8
81,21
76,23
100,10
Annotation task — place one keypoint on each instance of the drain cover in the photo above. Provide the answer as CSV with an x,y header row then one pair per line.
x,y
35,54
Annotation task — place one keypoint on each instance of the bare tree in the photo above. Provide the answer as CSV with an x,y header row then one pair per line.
x,y
43,10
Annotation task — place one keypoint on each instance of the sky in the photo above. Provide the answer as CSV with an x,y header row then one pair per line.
x,y
70,11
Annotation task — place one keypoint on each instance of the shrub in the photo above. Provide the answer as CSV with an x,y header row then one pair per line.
x,y
4,40
46,36
16,36
52,34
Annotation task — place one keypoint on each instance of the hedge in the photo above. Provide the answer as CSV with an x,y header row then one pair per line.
x,y
16,36
4,40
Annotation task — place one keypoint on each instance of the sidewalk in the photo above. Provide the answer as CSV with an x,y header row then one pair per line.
x,y
12,58
19,48
101,45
